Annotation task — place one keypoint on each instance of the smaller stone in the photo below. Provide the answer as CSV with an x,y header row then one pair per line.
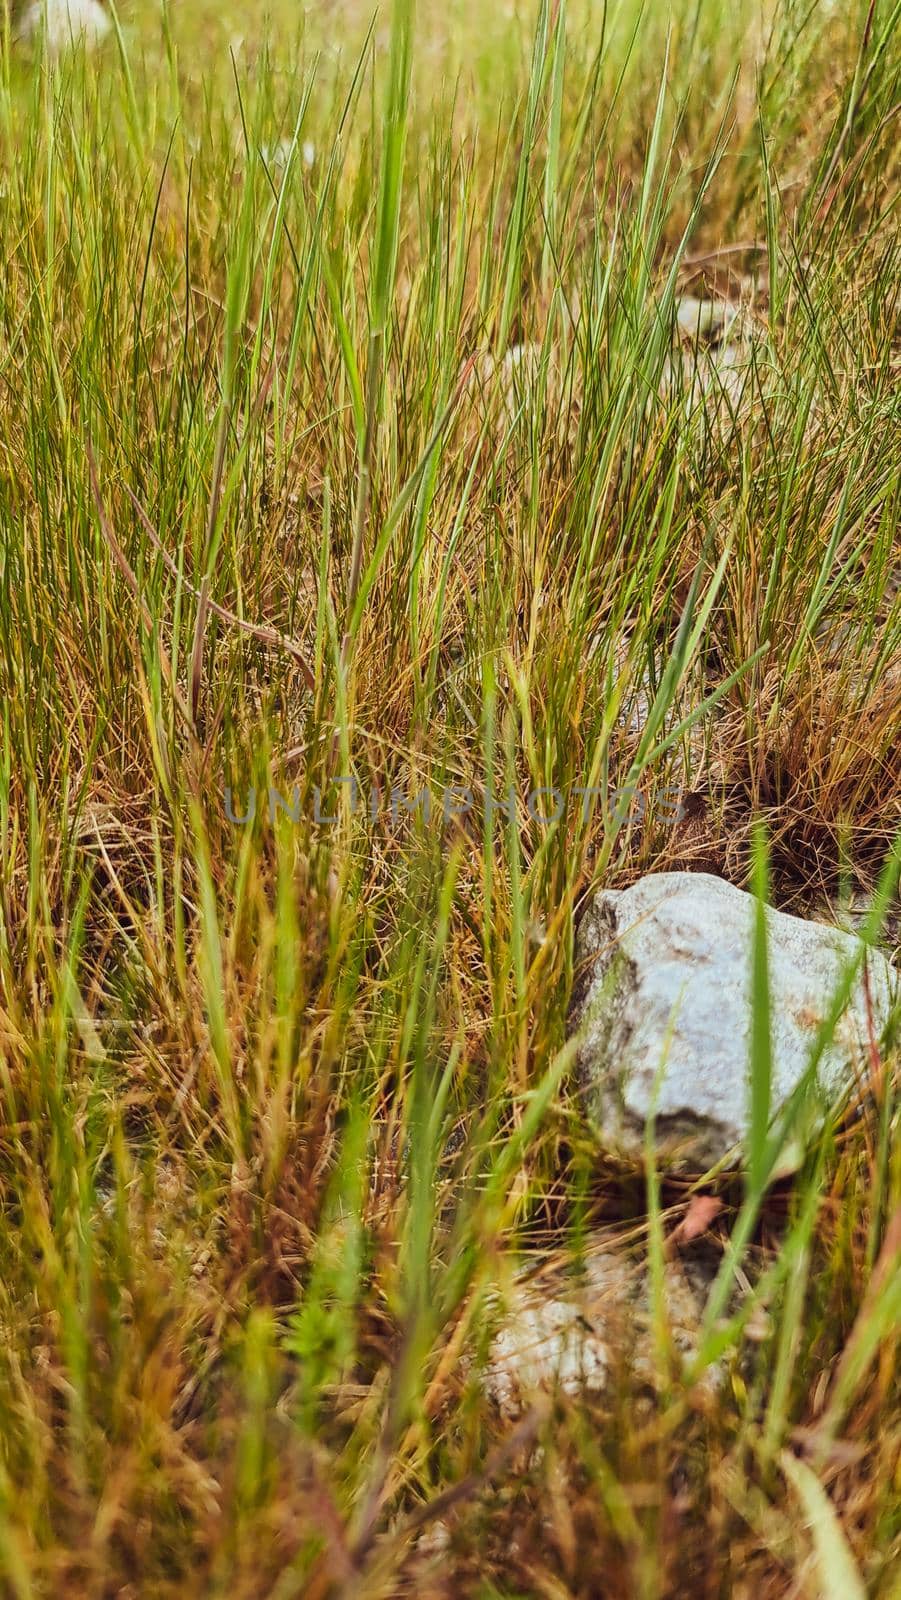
x,y
434,1541
545,1343
569,1335
709,366
506,380
707,321
277,156
67,22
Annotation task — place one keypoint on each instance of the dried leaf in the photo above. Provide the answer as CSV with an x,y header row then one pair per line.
x,y
703,1209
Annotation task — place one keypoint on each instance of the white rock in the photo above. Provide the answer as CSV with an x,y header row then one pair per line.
x,y
569,1337
67,22
710,364
714,377
277,156
707,321
434,1541
668,993
506,381
545,1343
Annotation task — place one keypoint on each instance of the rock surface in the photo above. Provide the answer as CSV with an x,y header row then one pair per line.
x,y
710,362
67,22
571,1338
668,992
707,321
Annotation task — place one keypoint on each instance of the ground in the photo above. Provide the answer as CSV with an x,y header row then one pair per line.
x,y
356,421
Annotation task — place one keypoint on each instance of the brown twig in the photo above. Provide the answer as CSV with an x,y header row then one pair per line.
x,y
742,247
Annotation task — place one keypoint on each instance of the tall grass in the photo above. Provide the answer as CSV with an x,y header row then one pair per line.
x,y
336,439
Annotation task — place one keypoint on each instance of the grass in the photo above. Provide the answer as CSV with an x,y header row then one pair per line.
x,y
285,1103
